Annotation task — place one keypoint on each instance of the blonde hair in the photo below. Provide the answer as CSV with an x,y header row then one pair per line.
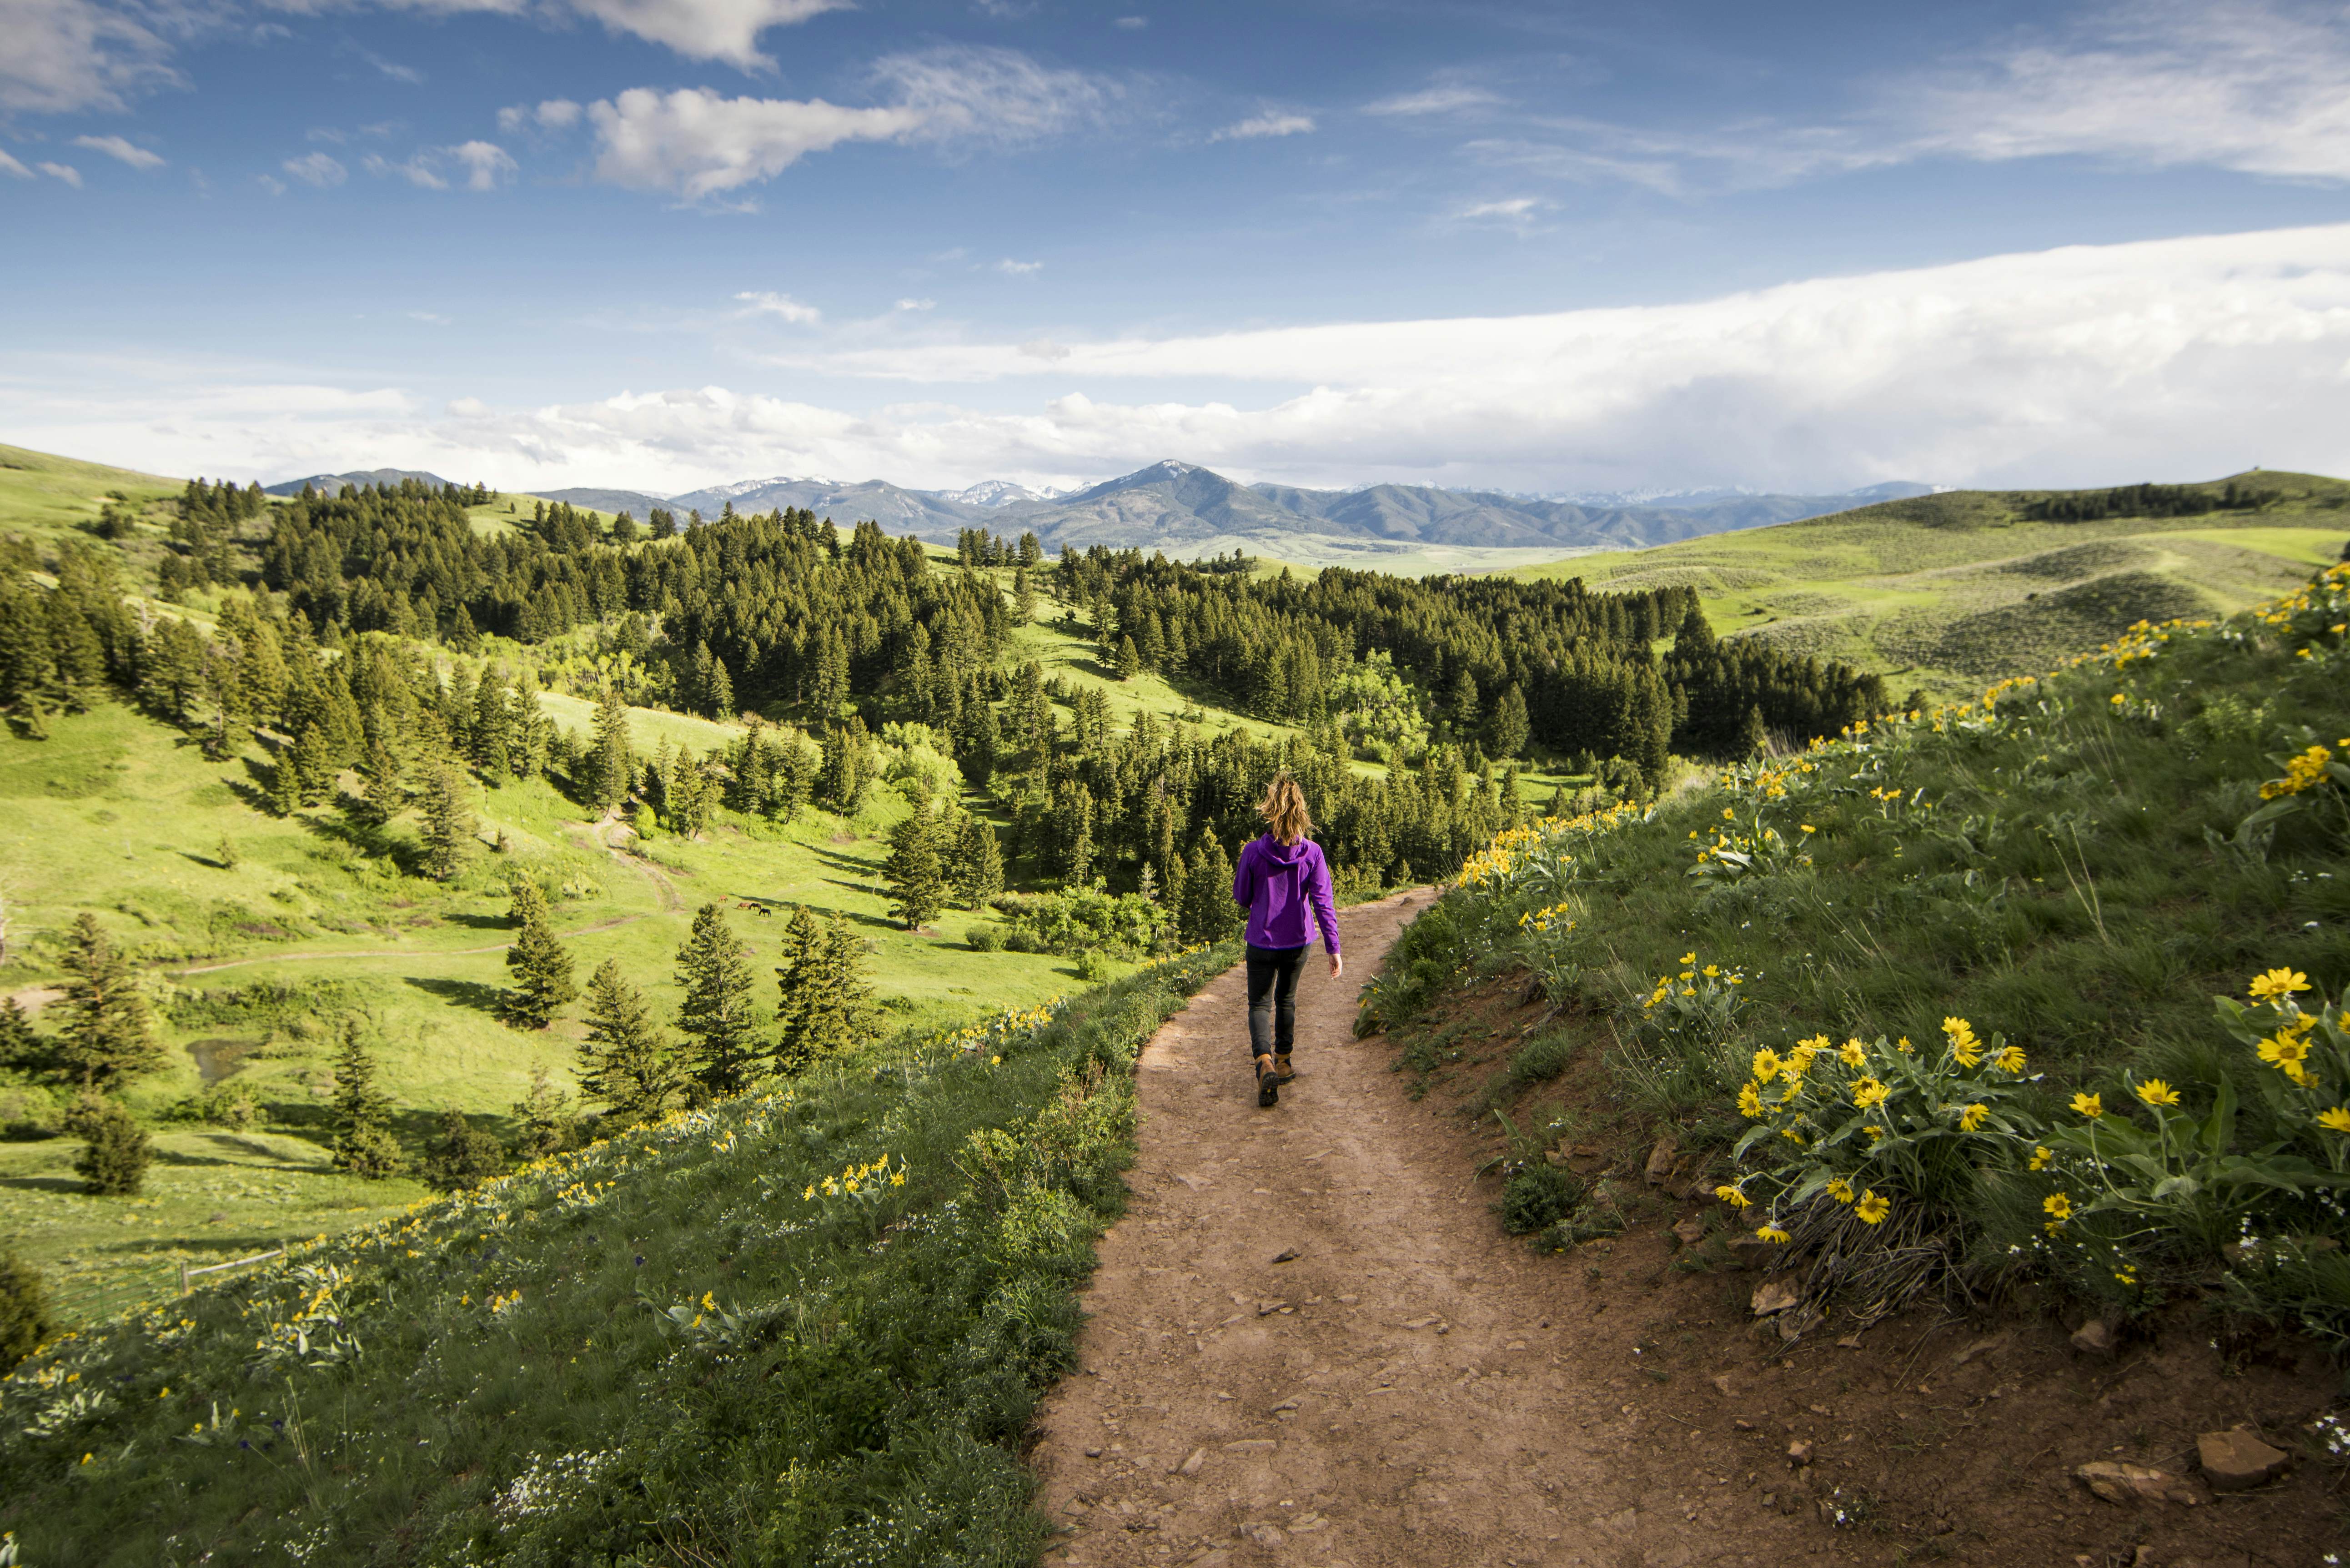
x,y
1283,809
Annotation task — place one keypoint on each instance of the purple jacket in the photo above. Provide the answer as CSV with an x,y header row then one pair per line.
x,y
1285,888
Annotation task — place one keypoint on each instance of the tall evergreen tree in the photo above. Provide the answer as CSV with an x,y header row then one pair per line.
x,y
609,760
107,1039
382,796
540,964
917,882
1209,914
1505,730
360,1113
461,1156
717,1015
978,862
625,1063
543,1117
449,824
828,997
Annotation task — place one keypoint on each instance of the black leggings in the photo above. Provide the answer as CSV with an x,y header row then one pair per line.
x,y
1272,998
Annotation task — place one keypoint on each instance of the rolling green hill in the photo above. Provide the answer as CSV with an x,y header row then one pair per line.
x,y
1950,591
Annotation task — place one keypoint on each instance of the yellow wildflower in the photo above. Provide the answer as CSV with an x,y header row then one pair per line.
x,y
1766,1064
2010,1059
2279,983
2058,1206
1750,1101
1872,1209
2155,1092
1973,1116
2089,1106
2042,1158
1874,1132
1774,1234
1853,1053
1840,1189
2334,1120
1869,1092
1689,958
1732,1196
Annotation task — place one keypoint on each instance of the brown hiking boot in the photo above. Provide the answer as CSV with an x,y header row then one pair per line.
x,y
1268,1082
1280,1067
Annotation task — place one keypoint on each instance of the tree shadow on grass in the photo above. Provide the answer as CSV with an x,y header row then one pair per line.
x,y
45,1183
464,992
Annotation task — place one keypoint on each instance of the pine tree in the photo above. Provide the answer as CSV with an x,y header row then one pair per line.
x,y
980,746
610,760
543,1117
106,1040
625,1063
115,1148
916,885
1506,731
540,964
314,764
843,767
1209,914
1023,597
826,995
461,1156
978,862
449,824
381,794
284,784
1754,736
716,1015
1129,659
529,904
361,1113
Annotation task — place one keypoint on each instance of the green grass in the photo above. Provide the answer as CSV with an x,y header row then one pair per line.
x,y
49,496
2068,873
1948,592
124,818
708,1364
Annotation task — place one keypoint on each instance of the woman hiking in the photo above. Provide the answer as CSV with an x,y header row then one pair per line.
x,y
1284,884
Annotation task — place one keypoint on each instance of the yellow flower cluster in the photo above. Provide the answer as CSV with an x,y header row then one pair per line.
x,y
1690,981
2302,773
1543,919
504,1302
868,1177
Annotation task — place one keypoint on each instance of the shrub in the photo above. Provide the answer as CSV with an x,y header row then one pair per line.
x,y
1093,966
1538,1197
24,1319
115,1154
1122,925
984,939
461,1156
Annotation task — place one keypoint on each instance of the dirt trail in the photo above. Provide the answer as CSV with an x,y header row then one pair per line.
x,y
1410,1389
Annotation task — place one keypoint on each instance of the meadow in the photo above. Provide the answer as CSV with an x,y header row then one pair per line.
x,y
2039,988
1948,592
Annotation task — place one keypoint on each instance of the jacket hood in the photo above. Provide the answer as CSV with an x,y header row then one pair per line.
x,y
1287,854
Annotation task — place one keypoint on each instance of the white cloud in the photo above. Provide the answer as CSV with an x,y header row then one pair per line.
x,y
13,168
1011,269
274,187
1132,24
316,169
554,114
65,172
429,317
780,305
705,29
1443,99
1267,124
484,164
2261,88
128,151
416,171
1515,207
67,55
918,305
2169,360
698,144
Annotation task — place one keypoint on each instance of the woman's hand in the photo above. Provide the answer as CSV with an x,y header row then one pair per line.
x,y
1337,966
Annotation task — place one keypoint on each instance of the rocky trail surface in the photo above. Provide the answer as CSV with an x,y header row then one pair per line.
x,y
1310,1343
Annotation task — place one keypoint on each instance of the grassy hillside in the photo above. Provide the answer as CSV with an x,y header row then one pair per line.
x,y
1951,591
800,1327
45,495
2073,867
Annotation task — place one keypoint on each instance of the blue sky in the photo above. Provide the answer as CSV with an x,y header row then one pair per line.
x,y
664,243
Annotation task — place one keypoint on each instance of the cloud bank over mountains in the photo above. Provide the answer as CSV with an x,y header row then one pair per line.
x,y
2089,364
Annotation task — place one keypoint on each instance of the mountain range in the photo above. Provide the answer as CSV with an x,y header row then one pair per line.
x,y
1173,505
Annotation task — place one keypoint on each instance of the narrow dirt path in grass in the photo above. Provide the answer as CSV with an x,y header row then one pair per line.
x,y
1411,1388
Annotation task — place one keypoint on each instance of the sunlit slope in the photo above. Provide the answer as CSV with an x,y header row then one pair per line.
x,y
1950,590
40,493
